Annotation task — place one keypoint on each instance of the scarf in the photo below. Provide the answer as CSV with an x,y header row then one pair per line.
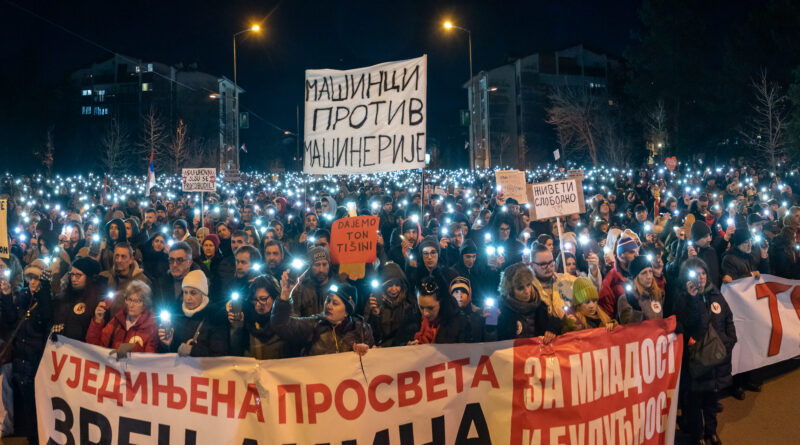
x,y
190,312
522,307
428,330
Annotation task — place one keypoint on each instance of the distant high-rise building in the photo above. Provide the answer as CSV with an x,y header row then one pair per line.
x,y
509,127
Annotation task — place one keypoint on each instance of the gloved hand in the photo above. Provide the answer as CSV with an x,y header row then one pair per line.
x,y
185,350
123,351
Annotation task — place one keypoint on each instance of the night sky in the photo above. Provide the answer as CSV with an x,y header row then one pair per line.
x,y
299,35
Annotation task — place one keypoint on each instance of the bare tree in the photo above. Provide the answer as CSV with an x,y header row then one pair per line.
x,y
766,127
115,142
657,128
573,112
153,139
46,152
178,147
523,152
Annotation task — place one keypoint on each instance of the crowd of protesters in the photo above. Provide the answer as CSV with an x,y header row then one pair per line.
x,y
250,273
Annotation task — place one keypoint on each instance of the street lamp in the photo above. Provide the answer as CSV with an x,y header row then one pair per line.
x,y
448,25
254,28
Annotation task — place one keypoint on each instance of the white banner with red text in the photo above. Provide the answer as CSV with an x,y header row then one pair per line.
x,y
589,387
766,313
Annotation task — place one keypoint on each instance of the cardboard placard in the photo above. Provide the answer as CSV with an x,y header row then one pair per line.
x,y
354,240
556,198
199,179
511,184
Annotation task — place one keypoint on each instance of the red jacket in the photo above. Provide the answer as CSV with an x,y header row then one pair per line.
x,y
144,333
613,287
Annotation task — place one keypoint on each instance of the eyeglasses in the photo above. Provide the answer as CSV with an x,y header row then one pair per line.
x,y
429,253
545,263
76,275
134,300
507,229
263,300
177,260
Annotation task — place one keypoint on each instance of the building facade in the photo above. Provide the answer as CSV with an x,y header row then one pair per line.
x,y
510,119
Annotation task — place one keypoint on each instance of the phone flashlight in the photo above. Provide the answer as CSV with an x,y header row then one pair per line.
x,y
490,302
490,250
374,284
298,264
164,320
501,250
236,303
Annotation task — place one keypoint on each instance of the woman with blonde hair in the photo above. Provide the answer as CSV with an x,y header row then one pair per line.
x,y
587,312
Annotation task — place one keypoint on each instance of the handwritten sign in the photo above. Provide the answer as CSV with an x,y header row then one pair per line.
x,y
199,179
511,184
556,198
366,120
354,239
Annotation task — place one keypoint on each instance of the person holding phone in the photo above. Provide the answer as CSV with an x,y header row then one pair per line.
x,y
699,306
251,332
522,312
392,310
134,324
477,318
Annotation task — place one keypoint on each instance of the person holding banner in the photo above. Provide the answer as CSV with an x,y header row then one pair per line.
x,y
335,329
643,298
74,307
523,314
252,334
699,309
626,248
587,314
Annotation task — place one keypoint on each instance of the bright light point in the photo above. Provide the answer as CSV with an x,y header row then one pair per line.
x,y
448,24
164,316
297,264
333,288
255,28
374,284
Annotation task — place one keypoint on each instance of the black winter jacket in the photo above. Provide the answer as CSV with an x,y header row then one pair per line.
x,y
315,334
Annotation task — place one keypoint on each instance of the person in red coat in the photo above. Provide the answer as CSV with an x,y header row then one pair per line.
x,y
615,279
135,324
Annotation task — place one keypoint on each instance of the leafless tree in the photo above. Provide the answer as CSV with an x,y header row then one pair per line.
x,y
178,148
573,112
46,152
523,152
766,127
115,142
153,138
657,127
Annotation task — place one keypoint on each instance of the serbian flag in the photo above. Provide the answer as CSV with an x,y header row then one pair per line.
x,y
151,176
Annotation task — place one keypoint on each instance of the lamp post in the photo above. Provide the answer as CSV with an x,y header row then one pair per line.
x,y
254,28
448,25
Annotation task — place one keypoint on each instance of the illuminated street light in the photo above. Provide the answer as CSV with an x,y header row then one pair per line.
x,y
254,28
448,25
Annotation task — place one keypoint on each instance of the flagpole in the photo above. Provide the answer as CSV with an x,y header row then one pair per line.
x,y
202,212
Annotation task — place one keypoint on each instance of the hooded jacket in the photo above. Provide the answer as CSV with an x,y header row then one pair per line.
x,y
397,320
143,334
118,283
107,255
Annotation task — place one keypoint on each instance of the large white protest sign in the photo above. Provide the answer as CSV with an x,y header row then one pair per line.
x,y
619,385
3,228
556,198
366,120
511,184
199,179
766,313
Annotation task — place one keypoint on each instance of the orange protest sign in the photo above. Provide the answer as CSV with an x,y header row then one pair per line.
x,y
354,240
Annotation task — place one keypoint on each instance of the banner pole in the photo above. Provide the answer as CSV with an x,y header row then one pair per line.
x,y
561,246
422,196
202,211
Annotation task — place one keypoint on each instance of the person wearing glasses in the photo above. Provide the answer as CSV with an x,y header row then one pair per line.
x,y
429,251
180,264
251,332
81,289
550,286
135,324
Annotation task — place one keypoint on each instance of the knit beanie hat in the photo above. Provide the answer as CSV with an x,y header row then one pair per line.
x,y
740,236
318,253
583,290
626,243
196,279
213,238
638,264
700,230
37,268
462,284
429,241
347,293
88,266
180,223
409,225
468,247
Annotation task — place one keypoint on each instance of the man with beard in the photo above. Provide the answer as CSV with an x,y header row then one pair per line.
x,y
401,250
547,282
75,306
308,296
124,271
180,232
248,266
274,257
180,264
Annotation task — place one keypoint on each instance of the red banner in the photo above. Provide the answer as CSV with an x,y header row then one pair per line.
x,y
354,240
597,387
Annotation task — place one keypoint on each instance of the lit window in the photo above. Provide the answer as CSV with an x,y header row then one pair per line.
x,y
86,110
138,68
149,67
86,92
146,86
101,92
